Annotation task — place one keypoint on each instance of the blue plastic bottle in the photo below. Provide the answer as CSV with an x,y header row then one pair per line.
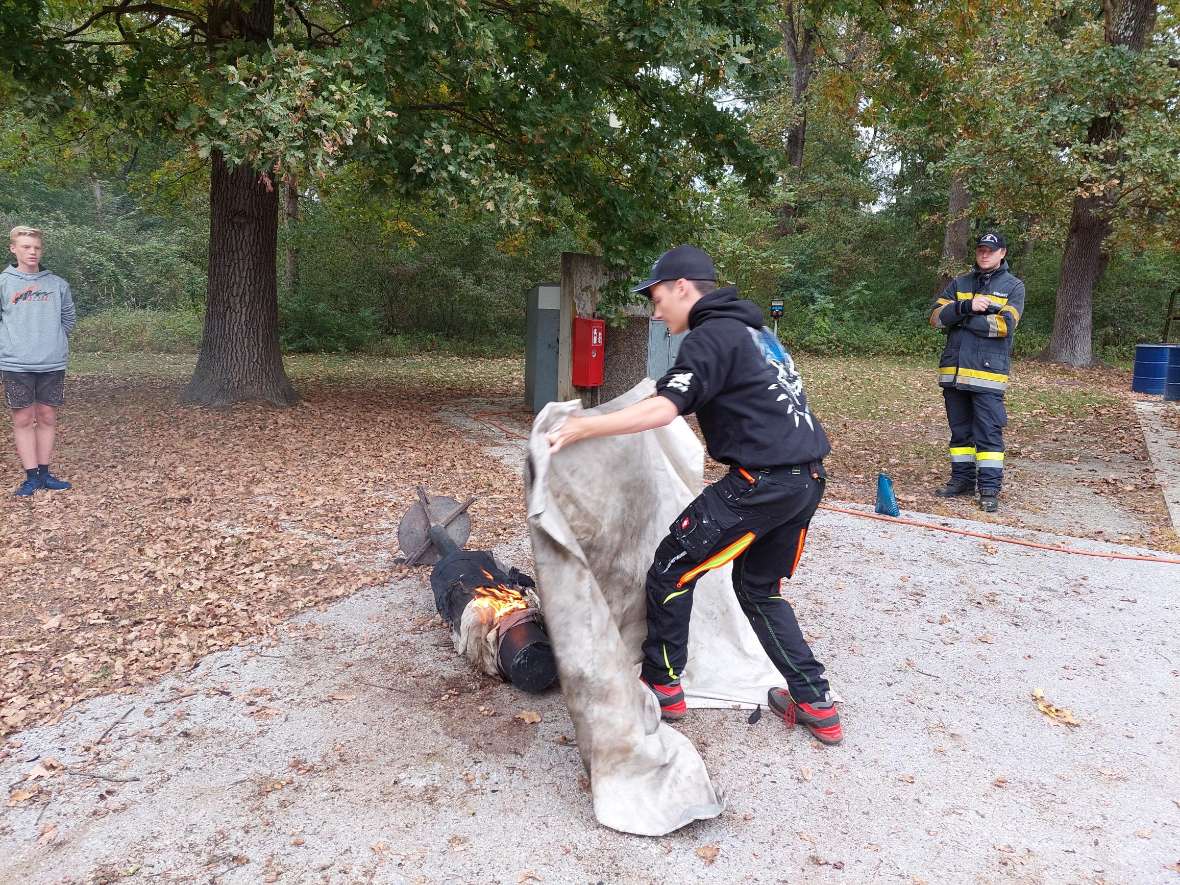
x,y
886,499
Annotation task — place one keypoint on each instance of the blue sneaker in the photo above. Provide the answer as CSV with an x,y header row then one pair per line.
x,y
26,488
51,482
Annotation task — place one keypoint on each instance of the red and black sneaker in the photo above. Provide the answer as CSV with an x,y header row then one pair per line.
x,y
671,698
819,717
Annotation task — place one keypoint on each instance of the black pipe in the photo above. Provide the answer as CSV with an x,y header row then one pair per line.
x,y
526,657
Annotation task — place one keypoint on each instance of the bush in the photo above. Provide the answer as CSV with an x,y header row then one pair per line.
x,y
126,264
131,330
307,326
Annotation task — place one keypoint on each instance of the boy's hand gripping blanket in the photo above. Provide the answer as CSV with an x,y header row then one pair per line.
x,y
596,511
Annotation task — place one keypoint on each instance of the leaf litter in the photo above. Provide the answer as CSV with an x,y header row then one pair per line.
x,y
190,531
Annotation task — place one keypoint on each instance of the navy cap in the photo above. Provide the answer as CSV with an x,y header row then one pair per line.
x,y
681,263
991,240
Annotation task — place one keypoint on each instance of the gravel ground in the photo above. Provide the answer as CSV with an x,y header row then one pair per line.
x,y
359,748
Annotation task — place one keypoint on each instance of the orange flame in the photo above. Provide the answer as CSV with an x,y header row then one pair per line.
x,y
500,600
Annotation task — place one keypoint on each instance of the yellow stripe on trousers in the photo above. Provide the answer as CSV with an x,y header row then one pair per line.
x,y
730,553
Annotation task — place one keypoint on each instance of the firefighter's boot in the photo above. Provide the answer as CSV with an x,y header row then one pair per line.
x,y
958,485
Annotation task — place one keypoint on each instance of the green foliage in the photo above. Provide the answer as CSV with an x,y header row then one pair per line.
x,y
419,267
448,152
307,325
511,107
132,330
1072,115
121,264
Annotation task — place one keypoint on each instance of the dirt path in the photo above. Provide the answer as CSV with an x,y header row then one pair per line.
x,y
354,745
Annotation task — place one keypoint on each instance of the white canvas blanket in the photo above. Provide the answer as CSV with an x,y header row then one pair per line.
x,y
596,511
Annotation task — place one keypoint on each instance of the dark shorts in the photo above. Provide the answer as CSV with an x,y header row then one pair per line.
x,y
23,389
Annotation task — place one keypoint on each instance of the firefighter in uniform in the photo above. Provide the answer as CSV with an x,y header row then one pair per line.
x,y
979,312
733,373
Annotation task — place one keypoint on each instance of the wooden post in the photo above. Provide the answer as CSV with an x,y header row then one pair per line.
x,y
582,279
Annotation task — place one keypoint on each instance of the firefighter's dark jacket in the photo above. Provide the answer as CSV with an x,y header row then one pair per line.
x,y
978,350
743,386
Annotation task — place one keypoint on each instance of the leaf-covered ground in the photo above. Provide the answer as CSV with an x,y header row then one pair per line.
x,y
1076,459
189,531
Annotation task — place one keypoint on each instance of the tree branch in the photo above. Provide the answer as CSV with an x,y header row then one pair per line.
x,y
129,8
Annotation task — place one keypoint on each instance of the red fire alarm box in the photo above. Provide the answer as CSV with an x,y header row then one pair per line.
x,y
588,345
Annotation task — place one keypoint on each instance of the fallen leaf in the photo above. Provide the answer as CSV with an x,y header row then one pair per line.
x,y
708,853
19,796
906,778
528,876
1143,834
459,843
47,835
1000,782
821,862
1057,714
804,773
44,768
531,717
342,696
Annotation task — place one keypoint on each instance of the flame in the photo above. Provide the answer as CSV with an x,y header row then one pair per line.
x,y
500,600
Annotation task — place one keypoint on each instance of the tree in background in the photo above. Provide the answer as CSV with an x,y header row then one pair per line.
x,y
610,104
1080,134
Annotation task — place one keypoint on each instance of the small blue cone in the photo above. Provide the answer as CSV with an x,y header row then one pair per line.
x,y
886,500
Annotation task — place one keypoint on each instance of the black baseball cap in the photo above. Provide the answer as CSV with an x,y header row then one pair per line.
x,y
681,263
991,240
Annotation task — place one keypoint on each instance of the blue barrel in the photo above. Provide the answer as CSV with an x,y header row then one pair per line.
x,y
1172,384
1151,367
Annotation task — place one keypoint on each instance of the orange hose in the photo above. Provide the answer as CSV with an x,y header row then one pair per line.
x,y
489,418
1056,548
942,528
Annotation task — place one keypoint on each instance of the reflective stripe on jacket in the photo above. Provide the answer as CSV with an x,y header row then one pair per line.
x,y
978,352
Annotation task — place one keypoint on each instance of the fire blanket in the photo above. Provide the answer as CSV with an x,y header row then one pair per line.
x,y
596,513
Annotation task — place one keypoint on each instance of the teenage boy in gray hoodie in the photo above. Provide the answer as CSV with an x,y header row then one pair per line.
x,y
36,316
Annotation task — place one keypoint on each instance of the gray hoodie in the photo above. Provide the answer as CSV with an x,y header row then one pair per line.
x,y
36,315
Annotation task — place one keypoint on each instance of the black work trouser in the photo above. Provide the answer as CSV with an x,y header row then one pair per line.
x,y
977,436
758,521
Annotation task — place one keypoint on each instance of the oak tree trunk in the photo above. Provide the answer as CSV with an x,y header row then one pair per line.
x,y
955,253
239,358
1128,24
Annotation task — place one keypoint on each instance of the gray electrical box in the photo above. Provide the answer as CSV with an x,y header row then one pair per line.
x,y
662,349
542,335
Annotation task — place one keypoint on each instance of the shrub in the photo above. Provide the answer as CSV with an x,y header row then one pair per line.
x,y
307,326
132,330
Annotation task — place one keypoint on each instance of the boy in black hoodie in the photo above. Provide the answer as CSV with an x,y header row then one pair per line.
x,y
749,400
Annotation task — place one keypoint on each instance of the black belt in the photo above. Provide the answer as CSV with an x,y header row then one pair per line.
x,y
814,469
